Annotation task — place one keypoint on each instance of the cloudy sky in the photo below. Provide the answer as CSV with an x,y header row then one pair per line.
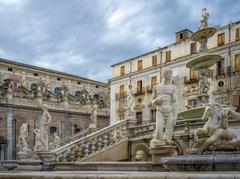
x,y
85,37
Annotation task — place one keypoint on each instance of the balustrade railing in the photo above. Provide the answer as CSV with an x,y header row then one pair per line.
x,y
69,139
90,145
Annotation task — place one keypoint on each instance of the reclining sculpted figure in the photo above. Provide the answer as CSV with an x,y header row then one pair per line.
x,y
215,133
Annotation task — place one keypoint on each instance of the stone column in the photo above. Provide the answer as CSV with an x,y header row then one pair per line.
x,y
9,134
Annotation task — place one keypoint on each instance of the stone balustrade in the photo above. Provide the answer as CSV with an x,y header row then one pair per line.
x,y
23,99
90,145
69,139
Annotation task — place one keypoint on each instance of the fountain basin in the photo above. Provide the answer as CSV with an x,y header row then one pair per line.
x,y
203,34
204,61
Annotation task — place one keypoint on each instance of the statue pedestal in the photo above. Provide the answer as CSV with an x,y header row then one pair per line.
x,y
47,158
161,150
22,155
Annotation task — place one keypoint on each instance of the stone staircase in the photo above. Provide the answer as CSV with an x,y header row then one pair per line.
x,y
97,143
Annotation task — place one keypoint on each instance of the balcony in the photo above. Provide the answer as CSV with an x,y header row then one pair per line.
x,y
149,89
140,91
120,96
190,80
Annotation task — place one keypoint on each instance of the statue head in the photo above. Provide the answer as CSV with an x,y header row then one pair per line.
x,y
140,155
44,107
167,74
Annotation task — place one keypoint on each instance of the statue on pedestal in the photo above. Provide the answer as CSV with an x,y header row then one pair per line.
x,y
22,141
94,115
204,19
215,134
129,102
164,99
42,132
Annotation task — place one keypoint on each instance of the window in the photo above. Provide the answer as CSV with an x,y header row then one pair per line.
x,y
96,97
153,81
221,39
193,48
122,71
57,91
139,65
236,102
53,130
220,67
153,115
97,86
59,79
35,74
154,60
78,93
238,34
181,36
10,69
77,130
34,87
193,74
139,86
121,91
219,100
168,56
78,82
237,62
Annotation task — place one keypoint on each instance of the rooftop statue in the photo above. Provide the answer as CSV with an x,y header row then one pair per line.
x,y
215,133
164,99
204,19
129,102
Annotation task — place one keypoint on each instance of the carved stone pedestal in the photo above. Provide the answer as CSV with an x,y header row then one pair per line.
x,y
47,158
22,155
92,128
160,150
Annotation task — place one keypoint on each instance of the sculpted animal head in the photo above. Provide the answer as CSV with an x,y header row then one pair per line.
x,y
210,110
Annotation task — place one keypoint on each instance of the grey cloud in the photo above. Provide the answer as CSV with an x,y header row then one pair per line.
x,y
85,37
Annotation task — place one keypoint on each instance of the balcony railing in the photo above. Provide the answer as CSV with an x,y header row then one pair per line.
x,y
140,91
149,89
119,96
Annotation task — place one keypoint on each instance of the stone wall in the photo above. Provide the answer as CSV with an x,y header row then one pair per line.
x,y
66,123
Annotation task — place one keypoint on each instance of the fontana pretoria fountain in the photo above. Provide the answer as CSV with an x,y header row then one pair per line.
x,y
172,147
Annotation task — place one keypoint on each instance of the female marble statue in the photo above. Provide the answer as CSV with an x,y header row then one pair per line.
x,y
204,19
22,142
130,102
45,120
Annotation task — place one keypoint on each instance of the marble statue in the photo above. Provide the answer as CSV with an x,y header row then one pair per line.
x,y
164,99
204,19
56,140
215,132
129,102
22,141
204,84
94,115
38,140
45,120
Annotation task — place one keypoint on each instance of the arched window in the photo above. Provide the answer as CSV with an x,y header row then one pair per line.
x,y
78,93
96,96
57,91
34,87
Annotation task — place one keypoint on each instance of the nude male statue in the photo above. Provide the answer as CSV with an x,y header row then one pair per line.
x,y
164,99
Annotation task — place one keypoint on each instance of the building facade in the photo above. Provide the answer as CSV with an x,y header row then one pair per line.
x,y
145,71
25,88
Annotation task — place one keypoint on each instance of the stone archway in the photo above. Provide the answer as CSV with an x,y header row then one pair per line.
x,y
142,152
